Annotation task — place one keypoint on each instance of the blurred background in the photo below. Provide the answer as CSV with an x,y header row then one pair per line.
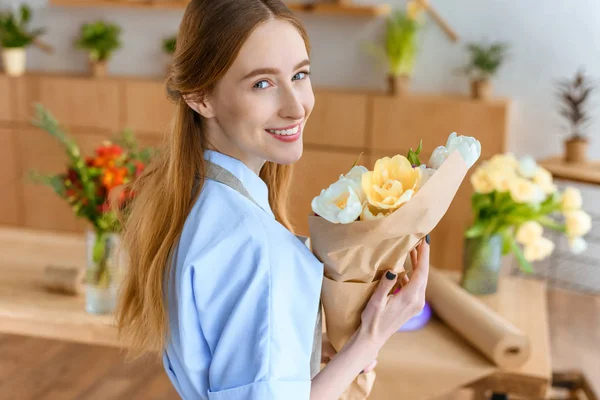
x,y
519,76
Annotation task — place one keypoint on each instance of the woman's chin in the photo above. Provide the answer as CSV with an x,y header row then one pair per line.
x,y
289,154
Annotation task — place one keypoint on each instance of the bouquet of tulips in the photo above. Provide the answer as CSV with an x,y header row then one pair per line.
x,y
368,222
517,199
87,182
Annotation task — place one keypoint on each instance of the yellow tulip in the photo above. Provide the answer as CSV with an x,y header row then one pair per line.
x,y
524,191
481,183
392,182
571,199
543,178
529,232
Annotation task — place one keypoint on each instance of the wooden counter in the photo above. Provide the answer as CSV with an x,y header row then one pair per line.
x,y
588,172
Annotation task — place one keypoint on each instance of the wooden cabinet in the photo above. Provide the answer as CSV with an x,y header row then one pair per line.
x,y
74,101
6,99
11,212
338,119
343,124
146,107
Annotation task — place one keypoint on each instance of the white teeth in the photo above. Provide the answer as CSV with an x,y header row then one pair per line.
x,y
285,132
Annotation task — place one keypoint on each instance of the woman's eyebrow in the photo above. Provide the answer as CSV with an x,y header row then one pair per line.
x,y
272,71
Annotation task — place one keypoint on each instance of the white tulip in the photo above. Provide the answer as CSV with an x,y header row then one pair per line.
x,y
340,203
577,245
578,223
469,148
571,199
529,232
528,167
355,174
538,250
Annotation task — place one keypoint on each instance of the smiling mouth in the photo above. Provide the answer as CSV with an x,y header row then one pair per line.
x,y
289,131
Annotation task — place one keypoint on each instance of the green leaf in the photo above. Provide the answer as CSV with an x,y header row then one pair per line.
x,y
356,162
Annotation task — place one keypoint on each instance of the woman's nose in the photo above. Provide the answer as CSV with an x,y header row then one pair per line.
x,y
291,105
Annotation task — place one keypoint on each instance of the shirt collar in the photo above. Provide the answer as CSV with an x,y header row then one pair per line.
x,y
253,183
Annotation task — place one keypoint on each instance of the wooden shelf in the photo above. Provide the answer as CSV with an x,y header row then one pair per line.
x,y
324,9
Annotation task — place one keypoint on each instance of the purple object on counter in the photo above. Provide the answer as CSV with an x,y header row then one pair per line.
x,y
418,321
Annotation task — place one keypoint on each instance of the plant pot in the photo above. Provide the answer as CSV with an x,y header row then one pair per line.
x,y
576,150
481,89
104,269
482,262
14,60
398,85
99,68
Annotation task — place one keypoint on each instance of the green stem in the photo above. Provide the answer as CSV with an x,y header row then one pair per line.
x,y
525,265
550,223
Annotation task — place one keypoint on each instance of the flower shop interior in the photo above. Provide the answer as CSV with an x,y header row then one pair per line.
x,y
513,302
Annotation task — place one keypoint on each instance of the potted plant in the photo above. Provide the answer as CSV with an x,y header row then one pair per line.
x,y
100,39
86,185
14,38
514,201
575,96
168,46
485,60
399,48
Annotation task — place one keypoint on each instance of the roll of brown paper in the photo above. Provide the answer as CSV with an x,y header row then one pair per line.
x,y
499,340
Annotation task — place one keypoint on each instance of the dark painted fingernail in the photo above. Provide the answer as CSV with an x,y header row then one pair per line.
x,y
362,372
427,239
390,275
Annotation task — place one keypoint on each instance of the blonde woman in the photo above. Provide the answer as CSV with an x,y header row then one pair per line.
x,y
217,283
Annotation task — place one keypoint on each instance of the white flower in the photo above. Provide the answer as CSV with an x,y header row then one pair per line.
x,y
571,199
469,148
340,203
426,173
578,223
528,167
523,191
355,174
543,178
529,232
538,250
577,245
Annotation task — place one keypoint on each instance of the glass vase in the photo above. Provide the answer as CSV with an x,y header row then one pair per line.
x,y
482,262
103,271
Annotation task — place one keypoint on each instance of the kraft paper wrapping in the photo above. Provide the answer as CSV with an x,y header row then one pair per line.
x,y
496,338
356,255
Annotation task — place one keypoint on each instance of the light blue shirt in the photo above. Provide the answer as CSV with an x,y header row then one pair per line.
x,y
243,297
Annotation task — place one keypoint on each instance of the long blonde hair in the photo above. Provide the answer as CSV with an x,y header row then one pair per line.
x,y
210,37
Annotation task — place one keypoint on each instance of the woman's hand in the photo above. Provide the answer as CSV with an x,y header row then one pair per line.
x,y
386,313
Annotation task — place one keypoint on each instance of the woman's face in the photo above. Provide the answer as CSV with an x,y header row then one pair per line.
x,y
258,110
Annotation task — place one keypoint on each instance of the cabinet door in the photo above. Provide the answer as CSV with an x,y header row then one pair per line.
x,y
43,209
315,171
399,123
6,99
11,212
75,102
147,108
338,119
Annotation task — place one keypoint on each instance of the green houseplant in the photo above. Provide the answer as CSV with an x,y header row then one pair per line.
x,y
574,96
485,61
398,49
168,44
15,37
100,39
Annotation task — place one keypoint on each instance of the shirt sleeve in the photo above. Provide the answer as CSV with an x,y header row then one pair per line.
x,y
256,352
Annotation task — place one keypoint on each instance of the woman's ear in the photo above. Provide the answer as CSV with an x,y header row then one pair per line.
x,y
200,104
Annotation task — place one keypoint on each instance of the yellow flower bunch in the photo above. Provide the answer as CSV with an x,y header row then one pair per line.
x,y
516,199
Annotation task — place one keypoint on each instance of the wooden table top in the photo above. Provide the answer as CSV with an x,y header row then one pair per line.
x,y
27,308
588,172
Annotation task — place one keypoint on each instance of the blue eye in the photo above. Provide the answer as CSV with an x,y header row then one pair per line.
x,y
261,84
301,75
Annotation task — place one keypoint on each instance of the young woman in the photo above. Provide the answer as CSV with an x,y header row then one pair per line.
x,y
217,283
